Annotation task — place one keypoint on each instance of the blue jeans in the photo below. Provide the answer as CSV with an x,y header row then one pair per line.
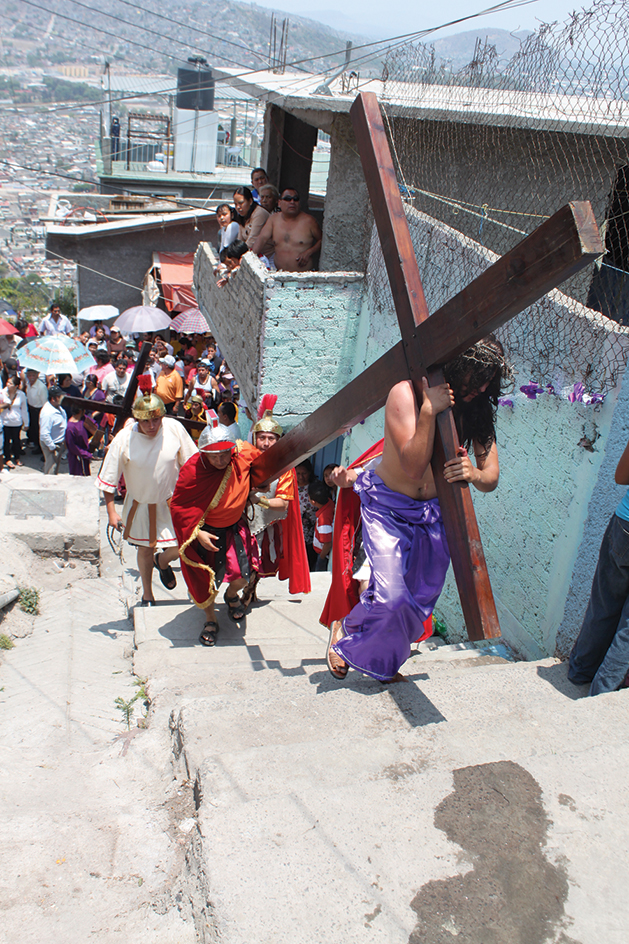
x,y
600,654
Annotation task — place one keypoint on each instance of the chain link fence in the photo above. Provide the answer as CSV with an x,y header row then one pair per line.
x,y
484,154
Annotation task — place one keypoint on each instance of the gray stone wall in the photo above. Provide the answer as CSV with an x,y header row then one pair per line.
x,y
111,267
347,215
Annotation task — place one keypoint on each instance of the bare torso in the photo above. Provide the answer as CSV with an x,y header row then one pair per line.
x,y
293,239
391,469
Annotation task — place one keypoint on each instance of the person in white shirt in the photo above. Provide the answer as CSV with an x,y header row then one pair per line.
x,y
36,395
52,431
228,229
116,383
149,453
55,322
203,384
14,415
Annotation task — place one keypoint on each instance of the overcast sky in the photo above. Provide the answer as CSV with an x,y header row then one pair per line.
x,y
404,16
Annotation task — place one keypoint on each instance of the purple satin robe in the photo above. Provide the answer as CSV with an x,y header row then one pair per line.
x,y
79,456
405,543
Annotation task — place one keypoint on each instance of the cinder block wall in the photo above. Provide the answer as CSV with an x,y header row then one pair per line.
x,y
287,333
304,336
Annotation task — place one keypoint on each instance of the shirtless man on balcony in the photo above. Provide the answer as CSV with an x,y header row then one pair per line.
x,y
296,235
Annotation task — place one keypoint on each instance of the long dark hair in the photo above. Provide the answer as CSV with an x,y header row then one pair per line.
x,y
246,193
483,363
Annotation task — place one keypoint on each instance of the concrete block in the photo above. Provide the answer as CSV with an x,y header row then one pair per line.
x,y
73,534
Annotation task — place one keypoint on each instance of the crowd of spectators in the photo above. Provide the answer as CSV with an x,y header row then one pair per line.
x,y
269,222
187,371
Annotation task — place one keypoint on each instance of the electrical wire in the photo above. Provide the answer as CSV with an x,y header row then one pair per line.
x,y
195,29
147,29
383,43
397,40
71,19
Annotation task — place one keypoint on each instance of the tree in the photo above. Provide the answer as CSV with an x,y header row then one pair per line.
x,y
66,299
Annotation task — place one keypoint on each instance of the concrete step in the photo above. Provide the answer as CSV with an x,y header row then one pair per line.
x,y
317,798
280,631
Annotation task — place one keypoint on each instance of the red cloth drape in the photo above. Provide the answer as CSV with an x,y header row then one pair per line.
x,y
294,560
343,594
216,497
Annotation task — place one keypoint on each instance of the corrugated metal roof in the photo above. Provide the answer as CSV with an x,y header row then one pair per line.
x,y
167,84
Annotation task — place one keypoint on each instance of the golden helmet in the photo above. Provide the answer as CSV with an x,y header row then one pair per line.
x,y
148,405
266,421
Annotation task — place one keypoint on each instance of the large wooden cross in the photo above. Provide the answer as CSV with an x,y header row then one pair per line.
x,y
122,411
557,249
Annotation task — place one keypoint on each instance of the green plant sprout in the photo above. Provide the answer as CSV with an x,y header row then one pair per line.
x,y
128,707
29,600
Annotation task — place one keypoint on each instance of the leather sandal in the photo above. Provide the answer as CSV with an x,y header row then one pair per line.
x,y
339,672
235,609
166,574
209,633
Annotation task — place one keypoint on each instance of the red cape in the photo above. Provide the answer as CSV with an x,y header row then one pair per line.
x,y
343,594
217,496
294,560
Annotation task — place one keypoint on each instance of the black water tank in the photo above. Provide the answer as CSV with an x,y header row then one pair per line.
x,y
195,89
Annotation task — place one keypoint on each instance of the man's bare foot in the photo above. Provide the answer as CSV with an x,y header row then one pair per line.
x,y
336,665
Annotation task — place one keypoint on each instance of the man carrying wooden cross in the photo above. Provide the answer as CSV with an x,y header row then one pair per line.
x,y
403,531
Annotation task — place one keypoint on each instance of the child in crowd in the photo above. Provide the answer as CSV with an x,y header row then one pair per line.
x,y
231,258
195,409
228,229
321,500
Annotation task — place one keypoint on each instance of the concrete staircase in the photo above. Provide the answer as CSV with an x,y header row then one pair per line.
x,y
322,805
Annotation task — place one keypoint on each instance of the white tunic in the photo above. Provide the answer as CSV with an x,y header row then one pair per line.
x,y
150,465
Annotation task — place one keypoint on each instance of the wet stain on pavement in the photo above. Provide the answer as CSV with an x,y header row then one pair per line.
x,y
514,894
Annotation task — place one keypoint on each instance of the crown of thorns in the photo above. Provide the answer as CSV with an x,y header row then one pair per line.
x,y
485,357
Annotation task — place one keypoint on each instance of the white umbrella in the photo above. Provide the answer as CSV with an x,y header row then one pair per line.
x,y
142,318
98,313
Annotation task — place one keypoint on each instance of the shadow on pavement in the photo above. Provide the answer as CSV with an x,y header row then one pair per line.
x,y
411,701
557,676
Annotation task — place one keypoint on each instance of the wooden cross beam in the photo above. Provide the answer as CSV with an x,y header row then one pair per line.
x,y
557,249
122,411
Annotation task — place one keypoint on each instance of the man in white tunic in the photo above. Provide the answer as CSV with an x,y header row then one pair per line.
x,y
149,453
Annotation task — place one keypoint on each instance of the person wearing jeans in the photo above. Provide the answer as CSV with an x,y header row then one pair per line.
x,y
14,416
600,655
52,431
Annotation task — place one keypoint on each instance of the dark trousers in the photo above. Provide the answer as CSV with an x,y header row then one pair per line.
x,y
33,426
12,444
601,653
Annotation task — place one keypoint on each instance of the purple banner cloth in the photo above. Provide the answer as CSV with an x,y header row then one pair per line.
x,y
406,546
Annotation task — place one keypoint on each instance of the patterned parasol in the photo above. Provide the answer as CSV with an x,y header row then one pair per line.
x,y
190,321
55,355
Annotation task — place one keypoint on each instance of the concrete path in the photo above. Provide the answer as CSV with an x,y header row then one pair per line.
x,y
480,800
91,847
